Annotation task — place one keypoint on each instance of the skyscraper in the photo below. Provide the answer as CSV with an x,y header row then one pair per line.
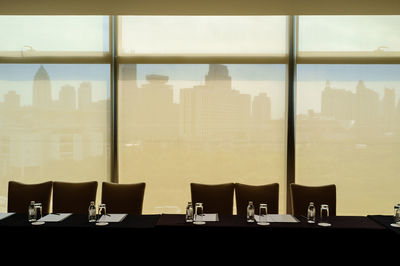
x,y
389,109
12,100
218,77
41,89
67,98
85,96
366,105
261,108
337,103
214,110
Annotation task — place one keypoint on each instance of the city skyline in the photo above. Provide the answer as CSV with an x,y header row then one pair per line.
x,y
212,122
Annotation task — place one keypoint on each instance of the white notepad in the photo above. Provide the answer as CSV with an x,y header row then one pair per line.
x,y
210,217
112,218
278,218
54,217
5,215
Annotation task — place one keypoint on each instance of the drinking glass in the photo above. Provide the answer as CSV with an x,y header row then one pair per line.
x,y
38,213
38,210
263,210
31,212
102,209
102,212
311,213
198,215
396,216
324,215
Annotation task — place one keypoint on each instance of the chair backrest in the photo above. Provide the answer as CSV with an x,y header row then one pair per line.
x,y
20,195
268,194
215,198
73,197
301,196
123,198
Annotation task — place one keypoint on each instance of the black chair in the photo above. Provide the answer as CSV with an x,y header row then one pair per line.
x,y
215,198
73,197
20,195
123,198
268,194
302,195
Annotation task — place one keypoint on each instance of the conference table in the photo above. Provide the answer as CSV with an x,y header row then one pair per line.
x,y
170,232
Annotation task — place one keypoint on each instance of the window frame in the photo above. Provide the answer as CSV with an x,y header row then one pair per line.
x,y
292,59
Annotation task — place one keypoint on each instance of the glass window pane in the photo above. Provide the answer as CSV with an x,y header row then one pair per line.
x,y
200,123
54,35
203,35
349,35
348,133
54,124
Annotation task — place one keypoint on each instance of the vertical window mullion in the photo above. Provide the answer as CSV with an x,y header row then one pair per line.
x,y
291,118
114,100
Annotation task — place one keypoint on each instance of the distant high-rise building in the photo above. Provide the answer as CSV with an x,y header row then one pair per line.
x,y
12,100
337,103
156,115
389,109
366,105
85,96
67,98
41,89
218,77
261,108
127,72
214,110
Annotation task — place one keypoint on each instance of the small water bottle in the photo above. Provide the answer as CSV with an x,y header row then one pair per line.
x,y
189,212
250,212
397,214
32,212
311,213
92,212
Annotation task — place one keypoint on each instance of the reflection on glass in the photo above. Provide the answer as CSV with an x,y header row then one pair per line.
x,y
205,35
199,123
53,124
348,133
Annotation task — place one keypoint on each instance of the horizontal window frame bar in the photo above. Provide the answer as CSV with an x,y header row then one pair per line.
x,y
198,60
349,61
202,59
331,58
57,60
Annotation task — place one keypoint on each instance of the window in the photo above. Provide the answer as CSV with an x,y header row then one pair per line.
x,y
348,114
204,121
357,37
54,36
170,100
54,106
203,35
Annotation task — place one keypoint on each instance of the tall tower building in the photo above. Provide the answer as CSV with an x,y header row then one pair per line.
x,y
218,77
12,100
261,108
127,72
41,89
214,110
67,98
389,109
366,105
85,96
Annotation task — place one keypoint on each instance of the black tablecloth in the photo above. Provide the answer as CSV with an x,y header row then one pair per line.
x,y
386,221
170,234
78,221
